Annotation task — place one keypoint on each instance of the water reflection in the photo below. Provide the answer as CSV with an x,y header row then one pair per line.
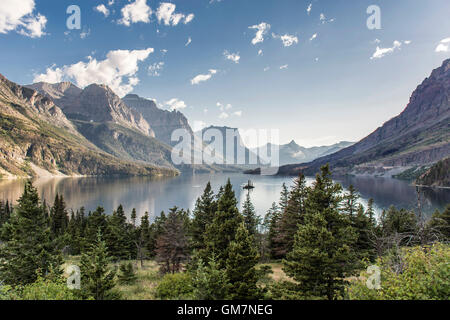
x,y
156,195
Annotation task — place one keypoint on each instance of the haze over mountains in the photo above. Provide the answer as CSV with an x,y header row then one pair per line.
x,y
420,135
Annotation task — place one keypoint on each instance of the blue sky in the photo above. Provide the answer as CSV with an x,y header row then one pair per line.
x,y
336,86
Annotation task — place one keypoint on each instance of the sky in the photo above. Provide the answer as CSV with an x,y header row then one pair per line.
x,y
312,69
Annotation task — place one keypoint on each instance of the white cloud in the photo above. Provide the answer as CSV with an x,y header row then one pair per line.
x,y
189,41
19,16
376,41
118,71
223,107
443,46
308,10
235,57
260,52
203,77
382,52
288,40
102,9
175,104
154,70
313,37
284,67
323,19
135,12
166,14
110,2
262,29
266,69
237,113
407,42
224,115
84,34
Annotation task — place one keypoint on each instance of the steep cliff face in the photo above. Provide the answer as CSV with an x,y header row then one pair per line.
x,y
420,135
37,139
96,103
163,122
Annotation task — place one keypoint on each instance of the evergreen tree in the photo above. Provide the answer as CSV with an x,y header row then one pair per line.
x,y
204,211
222,231
210,282
172,244
133,217
142,239
29,248
96,221
322,256
241,267
251,220
291,217
97,278
351,201
59,218
127,275
118,236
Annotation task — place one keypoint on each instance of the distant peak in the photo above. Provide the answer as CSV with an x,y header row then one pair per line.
x,y
132,96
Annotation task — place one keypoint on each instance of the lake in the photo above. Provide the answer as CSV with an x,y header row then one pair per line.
x,y
156,195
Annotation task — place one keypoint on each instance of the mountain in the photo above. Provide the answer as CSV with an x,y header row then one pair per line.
x,y
250,157
420,135
37,139
293,153
106,121
163,122
96,103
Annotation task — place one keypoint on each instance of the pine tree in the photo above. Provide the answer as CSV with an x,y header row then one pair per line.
x,y
241,267
97,278
209,281
118,236
222,231
127,275
59,218
322,255
172,244
351,201
204,211
142,239
291,217
29,249
133,217
251,220
97,221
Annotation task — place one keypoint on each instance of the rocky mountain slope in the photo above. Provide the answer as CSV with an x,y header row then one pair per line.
x,y
96,103
37,139
420,135
163,122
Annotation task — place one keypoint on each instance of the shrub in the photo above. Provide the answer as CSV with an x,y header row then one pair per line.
x,y
176,286
419,273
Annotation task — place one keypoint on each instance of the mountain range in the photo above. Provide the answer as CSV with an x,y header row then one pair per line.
x,y
419,136
293,153
37,139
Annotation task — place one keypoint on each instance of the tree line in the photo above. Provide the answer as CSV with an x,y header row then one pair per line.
x,y
321,234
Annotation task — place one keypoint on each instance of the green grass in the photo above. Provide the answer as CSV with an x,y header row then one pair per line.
x,y
149,277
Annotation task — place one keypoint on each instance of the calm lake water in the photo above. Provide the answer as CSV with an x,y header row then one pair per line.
x,y
156,195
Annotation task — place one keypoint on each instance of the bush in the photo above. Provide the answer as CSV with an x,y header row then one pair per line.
x,y
419,273
48,288
127,275
176,286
